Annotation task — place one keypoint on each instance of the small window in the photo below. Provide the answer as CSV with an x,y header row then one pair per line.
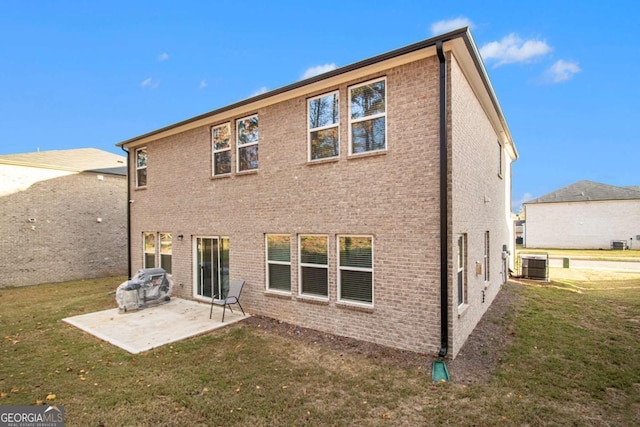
x,y
247,140
141,167
368,117
278,262
487,275
221,149
324,131
314,266
149,250
499,159
462,269
165,251
355,269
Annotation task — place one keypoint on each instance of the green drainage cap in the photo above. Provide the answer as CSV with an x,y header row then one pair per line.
x,y
439,371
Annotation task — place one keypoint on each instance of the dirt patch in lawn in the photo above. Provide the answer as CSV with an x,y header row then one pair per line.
x,y
475,363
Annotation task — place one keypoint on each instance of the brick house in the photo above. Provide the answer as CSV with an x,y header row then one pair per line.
x,y
64,216
584,215
371,201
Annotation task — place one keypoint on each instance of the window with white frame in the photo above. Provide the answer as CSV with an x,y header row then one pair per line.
x,y
278,262
367,117
141,167
165,251
149,260
324,129
499,159
462,269
355,269
314,265
247,137
487,275
221,149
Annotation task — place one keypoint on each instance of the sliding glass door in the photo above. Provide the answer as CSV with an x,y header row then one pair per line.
x,y
211,267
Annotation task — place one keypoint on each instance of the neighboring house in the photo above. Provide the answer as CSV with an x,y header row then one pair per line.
x,y
371,201
584,215
520,226
63,216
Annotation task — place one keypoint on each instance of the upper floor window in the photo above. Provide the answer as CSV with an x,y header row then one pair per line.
x,y
247,142
367,117
141,167
324,131
221,149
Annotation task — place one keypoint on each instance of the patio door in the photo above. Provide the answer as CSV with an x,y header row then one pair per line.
x,y
211,267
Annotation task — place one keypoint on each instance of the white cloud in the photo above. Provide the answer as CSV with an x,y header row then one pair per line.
x,y
445,26
150,83
260,91
562,71
318,69
203,84
163,56
517,203
513,49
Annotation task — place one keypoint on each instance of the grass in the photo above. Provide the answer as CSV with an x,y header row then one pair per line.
x,y
574,360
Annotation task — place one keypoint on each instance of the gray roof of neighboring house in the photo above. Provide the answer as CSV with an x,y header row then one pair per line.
x,y
584,191
77,160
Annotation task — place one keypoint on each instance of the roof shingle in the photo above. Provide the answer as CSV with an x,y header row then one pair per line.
x,y
583,191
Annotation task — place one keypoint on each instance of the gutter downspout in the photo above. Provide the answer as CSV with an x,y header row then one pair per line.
x,y
444,246
128,213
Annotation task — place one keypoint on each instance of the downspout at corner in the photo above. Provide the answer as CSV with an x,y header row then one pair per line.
x,y
444,235
128,212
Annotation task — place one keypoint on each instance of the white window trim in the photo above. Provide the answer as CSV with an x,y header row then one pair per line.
x,y
462,268
160,254
371,270
268,262
372,117
301,264
214,151
238,146
500,160
487,253
140,168
144,249
333,125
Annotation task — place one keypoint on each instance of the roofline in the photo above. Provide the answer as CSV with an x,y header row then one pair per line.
x,y
477,59
431,42
534,202
105,170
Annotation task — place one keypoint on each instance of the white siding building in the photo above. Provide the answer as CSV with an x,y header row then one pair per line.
x,y
584,215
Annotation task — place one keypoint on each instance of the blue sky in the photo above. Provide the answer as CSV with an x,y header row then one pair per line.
x,y
91,74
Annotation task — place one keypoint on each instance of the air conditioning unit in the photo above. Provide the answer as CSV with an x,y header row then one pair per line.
x,y
619,245
535,267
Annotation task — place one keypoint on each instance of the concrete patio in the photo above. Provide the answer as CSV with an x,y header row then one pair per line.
x,y
142,330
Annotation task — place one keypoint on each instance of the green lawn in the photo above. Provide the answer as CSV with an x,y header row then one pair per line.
x,y
574,360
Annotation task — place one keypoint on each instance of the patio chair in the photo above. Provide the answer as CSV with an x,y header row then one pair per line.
x,y
233,297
